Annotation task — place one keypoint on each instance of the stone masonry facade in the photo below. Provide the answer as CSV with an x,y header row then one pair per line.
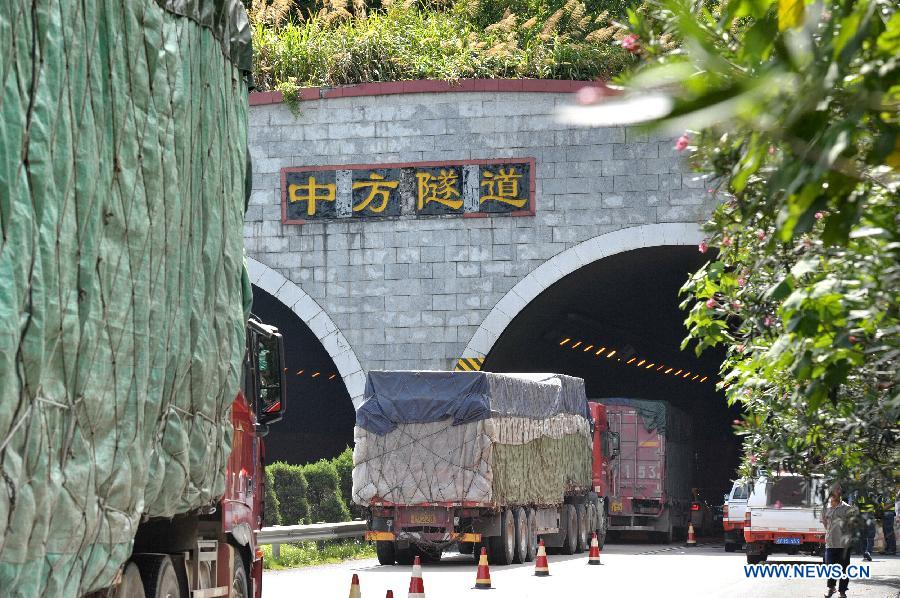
x,y
410,292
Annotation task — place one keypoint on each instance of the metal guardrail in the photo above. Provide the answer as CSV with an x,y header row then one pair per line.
x,y
284,534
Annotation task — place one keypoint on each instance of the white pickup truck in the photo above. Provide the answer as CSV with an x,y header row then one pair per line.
x,y
784,514
733,514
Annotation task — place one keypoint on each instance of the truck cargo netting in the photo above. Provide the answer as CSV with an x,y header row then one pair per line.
x,y
493,439
124,295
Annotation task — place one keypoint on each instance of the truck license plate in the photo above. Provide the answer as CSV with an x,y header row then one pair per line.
x,y
421,518
787,540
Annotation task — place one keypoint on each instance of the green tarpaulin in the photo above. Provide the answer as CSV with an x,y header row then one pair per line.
x,y
123,130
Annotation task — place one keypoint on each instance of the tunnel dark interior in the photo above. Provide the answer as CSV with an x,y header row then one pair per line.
x,y
318,421
620,315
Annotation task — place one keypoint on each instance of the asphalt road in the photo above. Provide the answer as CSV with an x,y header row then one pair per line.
x,y
640,570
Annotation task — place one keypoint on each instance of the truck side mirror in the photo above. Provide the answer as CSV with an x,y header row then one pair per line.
x,y
266,354
614,444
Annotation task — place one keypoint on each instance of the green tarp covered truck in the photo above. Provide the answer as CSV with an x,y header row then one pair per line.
x,y
124,302
471,459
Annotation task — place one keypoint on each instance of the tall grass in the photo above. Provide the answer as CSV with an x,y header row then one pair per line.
x,y
406,42
304,554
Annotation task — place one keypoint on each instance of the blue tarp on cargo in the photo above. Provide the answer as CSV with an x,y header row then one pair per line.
x,y
398,397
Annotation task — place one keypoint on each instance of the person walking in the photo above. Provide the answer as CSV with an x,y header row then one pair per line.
x,y
887,526
837,516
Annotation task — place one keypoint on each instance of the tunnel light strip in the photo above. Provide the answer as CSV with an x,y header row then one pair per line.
x,y
330,376
637,361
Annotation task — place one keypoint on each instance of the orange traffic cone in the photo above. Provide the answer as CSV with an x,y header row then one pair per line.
x,y
691,541
541,567
354,587
594,553
416,585
483,576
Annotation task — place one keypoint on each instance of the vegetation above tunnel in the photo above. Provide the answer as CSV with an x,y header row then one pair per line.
x,y
300,44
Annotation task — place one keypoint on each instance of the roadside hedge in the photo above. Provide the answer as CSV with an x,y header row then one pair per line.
x,y
323,493
291,490
271,505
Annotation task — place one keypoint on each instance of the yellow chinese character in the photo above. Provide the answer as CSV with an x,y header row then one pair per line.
x,y
503,186
440,188
377,187
310,194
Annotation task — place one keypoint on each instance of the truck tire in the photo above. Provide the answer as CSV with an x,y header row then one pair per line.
x,y
403,556
583,524
158,575
521,519
384,549
730,546
240,585
503,547
753,559
531,550
466,547
131,585
570,519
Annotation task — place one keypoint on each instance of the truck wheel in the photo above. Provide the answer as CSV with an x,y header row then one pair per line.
x,y
571,532
158,575
730,546
385,551
503,547
753,559
403,556
521,518
240,586
466,547
581,517
531,549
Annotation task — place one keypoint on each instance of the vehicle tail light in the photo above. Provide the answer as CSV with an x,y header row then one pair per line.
x,y
747,518
725,511
695,506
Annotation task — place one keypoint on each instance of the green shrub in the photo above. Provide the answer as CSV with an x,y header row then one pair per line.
x,y
405,43
344,465
271,504
291,489
323,492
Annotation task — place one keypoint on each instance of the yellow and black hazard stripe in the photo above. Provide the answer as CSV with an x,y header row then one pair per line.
x,y
469,364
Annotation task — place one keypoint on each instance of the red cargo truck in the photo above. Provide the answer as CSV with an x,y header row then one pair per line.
x,y
648,478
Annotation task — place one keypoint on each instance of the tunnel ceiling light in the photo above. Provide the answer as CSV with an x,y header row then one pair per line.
x,y
332,377
316,375
628,354
300,372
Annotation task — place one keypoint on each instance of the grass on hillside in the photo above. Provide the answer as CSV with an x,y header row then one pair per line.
x,y
405,42
305,554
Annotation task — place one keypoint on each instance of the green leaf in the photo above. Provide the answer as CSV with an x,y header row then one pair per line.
x,y
778,291
889,40
790,14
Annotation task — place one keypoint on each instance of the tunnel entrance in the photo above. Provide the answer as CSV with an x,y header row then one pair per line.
x,y
318,421
607,323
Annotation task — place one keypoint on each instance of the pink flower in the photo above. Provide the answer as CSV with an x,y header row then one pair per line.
x,y
740,349
752,459
702,247
853,340
589,94
768,321
771,149
761,235
682,142
742,282
726,241
736,422
736,305
778,504
711,303
710,190
819,215
631,43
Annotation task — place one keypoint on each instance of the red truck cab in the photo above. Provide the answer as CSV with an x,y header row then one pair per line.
x,y
604,448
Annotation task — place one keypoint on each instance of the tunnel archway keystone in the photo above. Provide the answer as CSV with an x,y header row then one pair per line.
x,y
566,262
319,322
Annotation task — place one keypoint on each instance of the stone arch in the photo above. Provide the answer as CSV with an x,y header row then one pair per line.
x,y
566,262
318,321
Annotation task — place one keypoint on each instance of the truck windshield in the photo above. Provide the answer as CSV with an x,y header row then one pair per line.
x,y
741,493
788,491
